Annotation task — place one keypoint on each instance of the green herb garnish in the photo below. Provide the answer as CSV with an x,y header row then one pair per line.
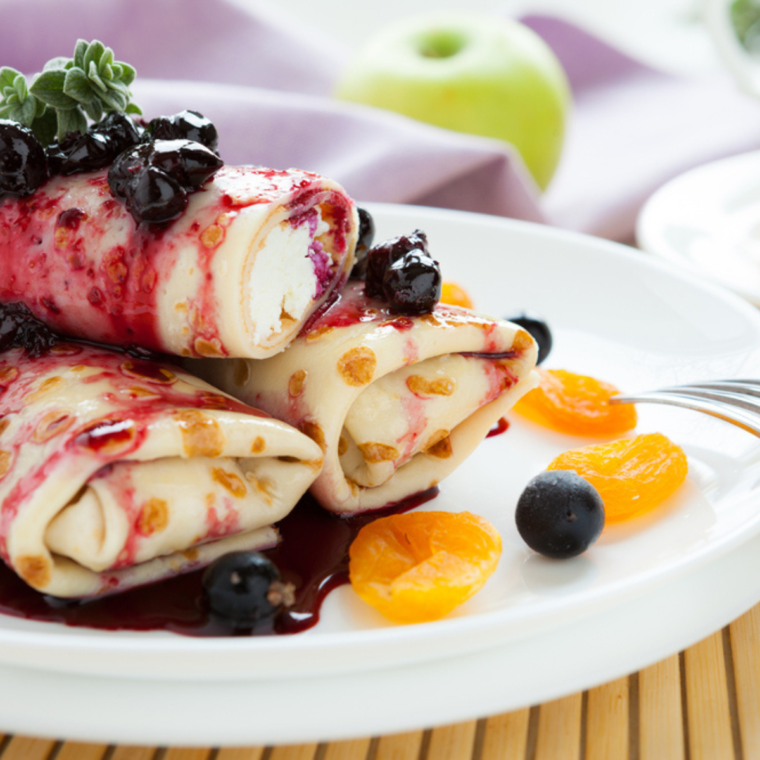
x,y
745,17
68,91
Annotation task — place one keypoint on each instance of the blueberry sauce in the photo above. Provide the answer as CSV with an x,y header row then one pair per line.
x,y
501,426
313,556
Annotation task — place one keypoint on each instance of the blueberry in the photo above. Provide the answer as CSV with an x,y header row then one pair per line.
x,y
155,197
559,514
79,152
23,165
382,255
186,125
538,328
126,169
120,130
246,589
187,161
412,284
363,244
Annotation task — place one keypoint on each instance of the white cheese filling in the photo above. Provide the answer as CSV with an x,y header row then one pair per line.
x,y
283,280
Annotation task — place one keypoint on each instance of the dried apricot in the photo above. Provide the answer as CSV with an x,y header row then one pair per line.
x,y
632,475
454,295
419,566
576,404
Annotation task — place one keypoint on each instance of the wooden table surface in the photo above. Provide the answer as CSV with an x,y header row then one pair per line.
x,y
700,704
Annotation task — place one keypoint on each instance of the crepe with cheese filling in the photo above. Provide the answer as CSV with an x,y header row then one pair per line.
x,y
117,471
395,403
237,274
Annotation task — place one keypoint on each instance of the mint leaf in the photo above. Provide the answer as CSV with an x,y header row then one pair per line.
x,y
48,87
70,120
57,63
79,52
8,77
45,126
133,108
76,85
94,53
113,100
94,110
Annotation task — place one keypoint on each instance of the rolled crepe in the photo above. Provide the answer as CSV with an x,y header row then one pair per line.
x,y
395,403
252,256
116,471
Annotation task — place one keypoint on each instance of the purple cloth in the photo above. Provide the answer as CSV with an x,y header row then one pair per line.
x,y
266,85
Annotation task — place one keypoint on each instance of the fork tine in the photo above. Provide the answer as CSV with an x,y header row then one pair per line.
x,y
730,407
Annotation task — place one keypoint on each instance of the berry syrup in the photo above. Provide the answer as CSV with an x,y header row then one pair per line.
x,y
313,556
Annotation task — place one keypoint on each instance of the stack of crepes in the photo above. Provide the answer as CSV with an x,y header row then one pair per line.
x,y
116,471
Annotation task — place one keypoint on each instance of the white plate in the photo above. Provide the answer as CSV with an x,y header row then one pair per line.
x,y
615,314
709,220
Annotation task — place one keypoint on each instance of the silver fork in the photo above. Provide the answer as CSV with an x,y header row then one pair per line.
x,y
735,401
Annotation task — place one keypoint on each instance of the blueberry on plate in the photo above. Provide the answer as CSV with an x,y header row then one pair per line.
x,y
245,588
382,255
559,514
23,164
189,162
412,283
186,125
364,242
538,328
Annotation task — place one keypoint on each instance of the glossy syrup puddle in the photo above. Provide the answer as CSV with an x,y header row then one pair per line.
x,y
313,556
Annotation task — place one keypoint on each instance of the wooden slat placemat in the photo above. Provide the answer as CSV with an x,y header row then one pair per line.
x,y
700,704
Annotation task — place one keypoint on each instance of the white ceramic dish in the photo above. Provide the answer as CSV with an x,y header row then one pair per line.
x,y
708,220
616,314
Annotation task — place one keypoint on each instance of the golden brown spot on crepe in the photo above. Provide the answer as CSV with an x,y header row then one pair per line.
x,y
208,348
181,307
441,386
48,385
5,462
4,423
437,437
319,333
210,500
201,435
378,452
79,368
430,319
212,235
296,383
190,554
263,485
342,446
288,458
66,349
224,219
186,352
138,391
241,372
36,571
8,375
522,340
259,444
116,270
353,486
442,449
285,317
357,366
149,372
154,517
52,424
230,482
315,432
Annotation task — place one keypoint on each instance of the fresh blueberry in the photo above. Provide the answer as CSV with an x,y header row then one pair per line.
x,y
186,125
559,514
79,152
155,197
538,328
412,283
363,244
23,165
382,255
245,588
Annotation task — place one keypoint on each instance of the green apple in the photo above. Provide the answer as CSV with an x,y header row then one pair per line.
x,y
479,74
